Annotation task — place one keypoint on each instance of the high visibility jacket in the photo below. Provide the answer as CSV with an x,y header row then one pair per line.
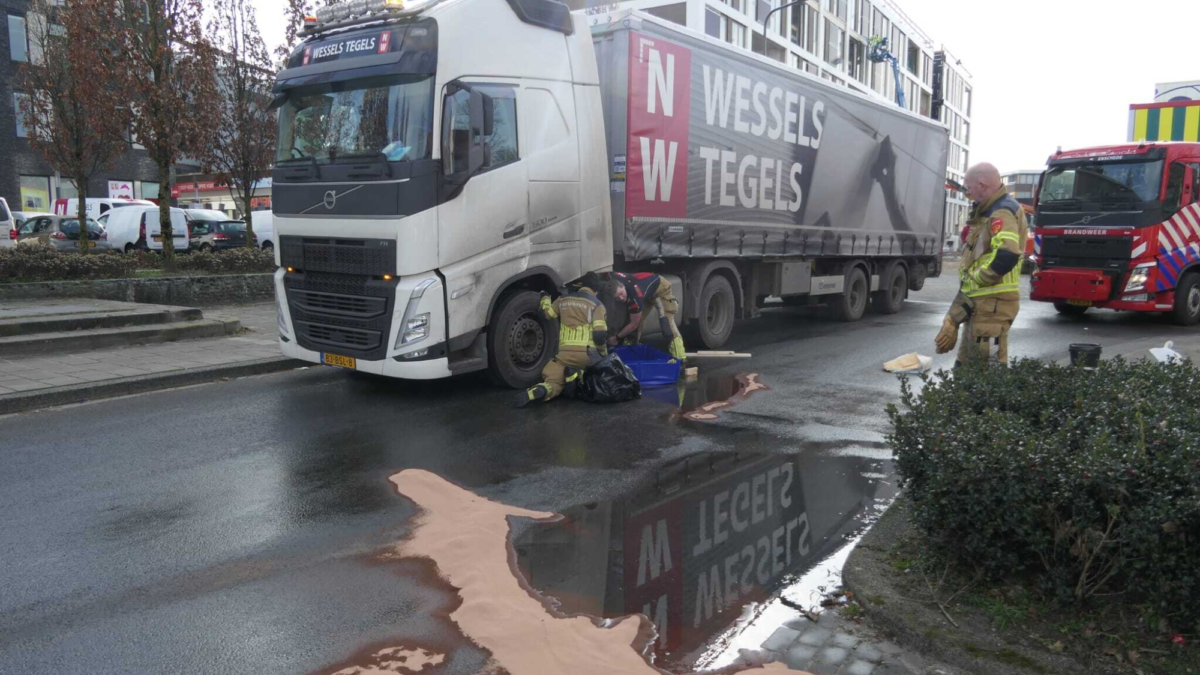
x,y
991,264
581,320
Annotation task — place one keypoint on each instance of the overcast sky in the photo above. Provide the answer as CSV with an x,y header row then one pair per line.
x,y
1046,72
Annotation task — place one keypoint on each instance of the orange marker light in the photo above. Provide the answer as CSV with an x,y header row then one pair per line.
x,y
387,277
291,269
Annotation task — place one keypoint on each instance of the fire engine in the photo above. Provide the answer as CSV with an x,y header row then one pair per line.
x,y
1118,227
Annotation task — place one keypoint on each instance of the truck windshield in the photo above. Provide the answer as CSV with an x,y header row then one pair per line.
x,y
1091,181
376,117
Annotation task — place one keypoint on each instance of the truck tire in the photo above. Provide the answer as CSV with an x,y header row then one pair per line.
x,y
1069,310
1187,300
892,290
521,341
716,313
916,280
851,304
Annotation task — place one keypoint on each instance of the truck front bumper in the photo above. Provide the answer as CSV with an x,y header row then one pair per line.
x,y
416,342
1093,288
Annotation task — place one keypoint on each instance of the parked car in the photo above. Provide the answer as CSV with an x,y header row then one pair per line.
x,y
137,227
96,206
219,235
61,232
21,217
8,226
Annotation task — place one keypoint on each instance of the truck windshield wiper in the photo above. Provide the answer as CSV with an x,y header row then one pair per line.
x,y
381,156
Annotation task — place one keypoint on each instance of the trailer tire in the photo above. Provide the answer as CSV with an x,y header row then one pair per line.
x,y
1187,300
852,303
715,315
521,341
893,289
916,280
1070,310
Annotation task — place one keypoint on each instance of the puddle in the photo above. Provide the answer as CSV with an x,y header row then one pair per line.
x,y
467,537
705,398
708,546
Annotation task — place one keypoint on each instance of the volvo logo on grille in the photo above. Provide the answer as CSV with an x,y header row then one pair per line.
x,y
330,199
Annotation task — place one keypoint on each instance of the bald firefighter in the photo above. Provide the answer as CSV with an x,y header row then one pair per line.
x,y
989,296
582,333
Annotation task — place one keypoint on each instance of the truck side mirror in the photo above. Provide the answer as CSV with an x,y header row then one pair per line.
x,y
489,116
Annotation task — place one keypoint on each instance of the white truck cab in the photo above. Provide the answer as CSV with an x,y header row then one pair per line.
x,y
425,194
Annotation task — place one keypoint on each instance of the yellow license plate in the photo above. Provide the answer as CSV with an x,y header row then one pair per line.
x,y
338,360
1079,303
158,237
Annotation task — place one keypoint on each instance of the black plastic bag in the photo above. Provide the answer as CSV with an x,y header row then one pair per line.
x,y
608,381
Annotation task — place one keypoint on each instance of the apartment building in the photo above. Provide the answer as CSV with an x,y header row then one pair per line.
x,y
1021,185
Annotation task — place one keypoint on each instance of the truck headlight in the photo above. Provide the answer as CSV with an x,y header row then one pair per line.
x,y
1138,278
415,329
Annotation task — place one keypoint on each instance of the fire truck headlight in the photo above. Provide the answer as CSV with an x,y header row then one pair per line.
x,y
1137,278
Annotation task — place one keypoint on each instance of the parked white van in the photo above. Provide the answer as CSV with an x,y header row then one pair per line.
x,y
8,228
264,229
137,227
96,207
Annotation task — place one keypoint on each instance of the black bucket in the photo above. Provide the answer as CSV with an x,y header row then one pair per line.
x,y
1085,354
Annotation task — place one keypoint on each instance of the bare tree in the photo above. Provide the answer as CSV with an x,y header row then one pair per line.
x,y
74,106
294,13
242,148
171,74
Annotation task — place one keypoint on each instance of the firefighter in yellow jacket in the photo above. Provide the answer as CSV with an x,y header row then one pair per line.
x,y
582,334
989,296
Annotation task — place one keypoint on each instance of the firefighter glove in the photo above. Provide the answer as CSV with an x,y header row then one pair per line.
x,y
545,303
947,337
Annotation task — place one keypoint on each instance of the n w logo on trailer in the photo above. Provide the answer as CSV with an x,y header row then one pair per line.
x,y
659,113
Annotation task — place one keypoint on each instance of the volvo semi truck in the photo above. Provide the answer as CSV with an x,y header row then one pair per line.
x,y
444,162
1118,227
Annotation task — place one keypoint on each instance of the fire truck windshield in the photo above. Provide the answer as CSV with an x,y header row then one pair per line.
x,y
383,118
1094,183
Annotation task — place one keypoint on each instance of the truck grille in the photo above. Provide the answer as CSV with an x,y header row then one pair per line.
x,y
1092,253
348,314
369,257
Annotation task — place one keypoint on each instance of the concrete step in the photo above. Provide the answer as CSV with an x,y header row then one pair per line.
x,y
76,341
60,323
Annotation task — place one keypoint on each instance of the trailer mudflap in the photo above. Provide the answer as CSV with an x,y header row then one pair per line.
x,y
1060,284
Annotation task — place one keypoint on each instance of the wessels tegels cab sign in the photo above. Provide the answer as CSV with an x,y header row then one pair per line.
x,y
347,48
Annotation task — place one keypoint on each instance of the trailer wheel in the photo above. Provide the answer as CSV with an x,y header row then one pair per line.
x,y
1070,310
851,304
916,280
521,341
1187,301
890,298
717,309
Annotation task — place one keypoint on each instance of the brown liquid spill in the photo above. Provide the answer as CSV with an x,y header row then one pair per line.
x,y
395,661
468,538
744,386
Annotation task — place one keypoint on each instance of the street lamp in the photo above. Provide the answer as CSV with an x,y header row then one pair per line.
x,y
767,21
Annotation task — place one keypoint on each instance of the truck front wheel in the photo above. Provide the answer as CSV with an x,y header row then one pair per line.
x,y
520,341
717,308
851,304
1187,301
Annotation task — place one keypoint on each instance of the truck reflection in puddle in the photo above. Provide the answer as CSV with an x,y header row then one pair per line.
x,y
708,536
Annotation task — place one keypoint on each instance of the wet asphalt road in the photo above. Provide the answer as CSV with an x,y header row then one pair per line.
x,y
236,527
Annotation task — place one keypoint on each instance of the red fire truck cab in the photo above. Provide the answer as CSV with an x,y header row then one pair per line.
x,y
1118,227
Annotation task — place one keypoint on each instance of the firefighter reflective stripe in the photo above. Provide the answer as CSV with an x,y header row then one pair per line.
x,y
973,286
579,336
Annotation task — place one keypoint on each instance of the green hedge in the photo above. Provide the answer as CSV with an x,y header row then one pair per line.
x,y
42,263
1085,482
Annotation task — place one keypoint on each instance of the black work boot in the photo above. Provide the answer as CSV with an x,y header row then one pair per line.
x,y
535,393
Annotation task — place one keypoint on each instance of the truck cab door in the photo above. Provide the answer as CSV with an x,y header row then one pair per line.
x,y
484,197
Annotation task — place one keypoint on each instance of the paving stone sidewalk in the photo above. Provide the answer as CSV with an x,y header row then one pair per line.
x,y
38,372
835,645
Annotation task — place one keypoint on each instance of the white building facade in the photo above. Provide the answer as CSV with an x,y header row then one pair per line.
x,y
831,39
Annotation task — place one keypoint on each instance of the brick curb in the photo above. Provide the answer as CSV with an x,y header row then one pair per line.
x,y
78,393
